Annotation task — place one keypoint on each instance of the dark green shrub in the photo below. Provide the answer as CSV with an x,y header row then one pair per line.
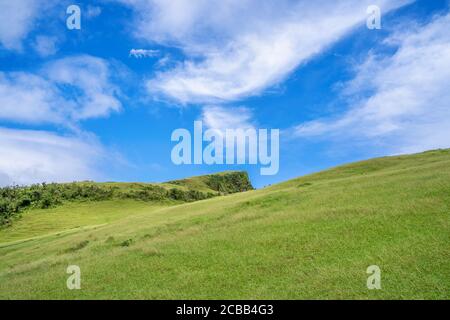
x,y
231,182
126,243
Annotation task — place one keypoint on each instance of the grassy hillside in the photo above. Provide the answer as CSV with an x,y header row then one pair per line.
x,y
17,199
311,237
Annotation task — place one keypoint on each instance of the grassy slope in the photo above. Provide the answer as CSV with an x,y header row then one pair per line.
x,y
311,237
86,203
74,215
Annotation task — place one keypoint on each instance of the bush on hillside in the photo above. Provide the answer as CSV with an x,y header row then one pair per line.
x,y
229,183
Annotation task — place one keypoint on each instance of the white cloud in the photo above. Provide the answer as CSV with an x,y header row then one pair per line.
x,y
17,20
62,92
66,90
143,53
239,48
222,118
95,95
29,98
93,11
164,61
408,108
46,46
28,156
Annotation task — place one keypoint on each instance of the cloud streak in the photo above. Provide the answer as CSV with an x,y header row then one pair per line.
x,y
406,108
235,49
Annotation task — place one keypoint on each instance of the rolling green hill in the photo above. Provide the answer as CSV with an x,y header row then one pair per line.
x,y
311,237
17,199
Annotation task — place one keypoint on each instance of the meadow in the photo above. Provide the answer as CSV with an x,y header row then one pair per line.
x,y
308,238
16,199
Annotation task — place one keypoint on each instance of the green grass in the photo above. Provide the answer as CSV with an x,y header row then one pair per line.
x,y
311,237
73,216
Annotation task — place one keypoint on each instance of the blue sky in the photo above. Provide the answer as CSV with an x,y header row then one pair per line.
x,y
75,105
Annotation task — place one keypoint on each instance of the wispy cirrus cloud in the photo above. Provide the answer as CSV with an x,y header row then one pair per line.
x,y
235,49
406,107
